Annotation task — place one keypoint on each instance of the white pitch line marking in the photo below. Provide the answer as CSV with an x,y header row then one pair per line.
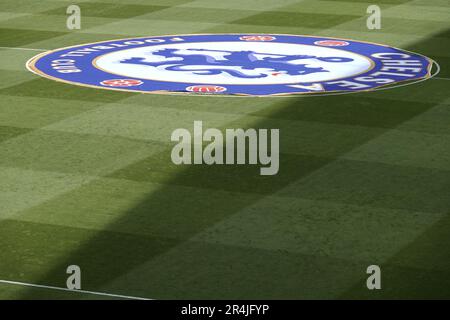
x,y
70,290
440,78
28,49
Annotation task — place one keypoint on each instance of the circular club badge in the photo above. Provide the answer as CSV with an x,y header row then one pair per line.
x,y
233,64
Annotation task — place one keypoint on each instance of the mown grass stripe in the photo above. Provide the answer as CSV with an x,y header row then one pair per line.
x,y
419,270
108,10
40,88
22,37
31,112
7,132
73,153
26,6
351,110
294,19
30,238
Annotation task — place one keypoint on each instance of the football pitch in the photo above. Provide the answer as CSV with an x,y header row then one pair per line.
x,y
86,176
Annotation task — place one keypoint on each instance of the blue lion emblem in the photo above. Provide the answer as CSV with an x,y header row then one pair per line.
x,y
245,60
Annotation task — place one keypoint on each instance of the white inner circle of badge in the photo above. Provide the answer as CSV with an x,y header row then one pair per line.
x,y
248,63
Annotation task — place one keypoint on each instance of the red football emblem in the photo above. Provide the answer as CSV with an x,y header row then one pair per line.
x,y
331,43
121,83
257,38
206,89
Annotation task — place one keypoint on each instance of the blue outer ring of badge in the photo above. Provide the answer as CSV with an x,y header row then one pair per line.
x,y
92,76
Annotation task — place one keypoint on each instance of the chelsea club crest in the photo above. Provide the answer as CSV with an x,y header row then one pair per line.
x,y
233,64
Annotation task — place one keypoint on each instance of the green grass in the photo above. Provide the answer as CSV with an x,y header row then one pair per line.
x,y
86,176
15,38
107,10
